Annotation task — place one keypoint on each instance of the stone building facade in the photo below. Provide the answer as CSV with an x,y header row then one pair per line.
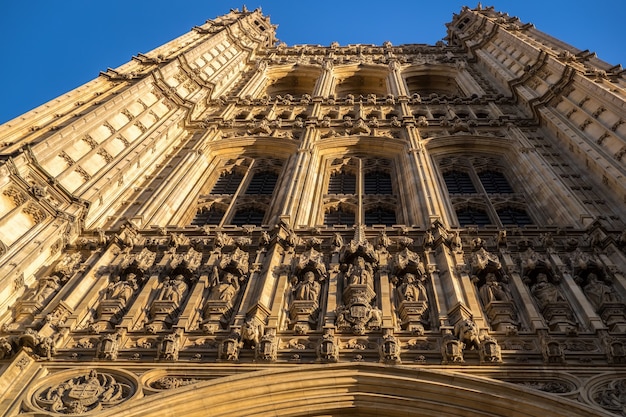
x,y
228,225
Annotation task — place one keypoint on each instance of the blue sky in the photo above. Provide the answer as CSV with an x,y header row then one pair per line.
x,y
51,47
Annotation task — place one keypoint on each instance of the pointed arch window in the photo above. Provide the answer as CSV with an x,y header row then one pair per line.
x,y
481,193
365,185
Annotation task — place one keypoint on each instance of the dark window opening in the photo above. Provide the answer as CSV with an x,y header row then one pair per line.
x,y
513,216
342,183
495,182
207,216
262,183
471,216
377,183
227,183
459,183
335,217
248,216
380,216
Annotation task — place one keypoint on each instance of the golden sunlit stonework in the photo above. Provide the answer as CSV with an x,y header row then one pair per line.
x,y
228,225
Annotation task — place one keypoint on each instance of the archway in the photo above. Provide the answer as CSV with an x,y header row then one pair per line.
x,y
354,389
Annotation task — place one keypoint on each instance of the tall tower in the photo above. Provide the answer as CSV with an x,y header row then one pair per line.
x,y
231,225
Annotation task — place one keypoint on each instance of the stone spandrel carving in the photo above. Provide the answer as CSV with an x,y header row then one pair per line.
x,y
612,396
84,393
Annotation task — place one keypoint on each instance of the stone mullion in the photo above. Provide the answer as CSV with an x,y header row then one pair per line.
x,y
334,298
432,194
386,298
535,318
300,187
438,304
138,308
185,319
471,298
323,87
273,291
396,82
578,300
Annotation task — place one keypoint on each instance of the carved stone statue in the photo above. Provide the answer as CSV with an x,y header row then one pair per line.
x,y
121,289
226,289
46,286
359,273
174,290
545,292
492,290
307,288
411,289
599,292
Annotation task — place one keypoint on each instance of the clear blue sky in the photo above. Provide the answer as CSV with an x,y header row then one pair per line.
x,y
51,47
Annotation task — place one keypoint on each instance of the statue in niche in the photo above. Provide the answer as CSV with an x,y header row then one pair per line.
x,y
225,289
46,286
493,290
360,273
174,290
307,288
546,292
411,289
599,292
121,289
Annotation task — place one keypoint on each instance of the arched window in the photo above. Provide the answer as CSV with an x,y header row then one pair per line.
x,y
207,216
459,182
248,216
380,215
262,183
472,216
342,183
495,182
339,216
227,183
514,216
377,182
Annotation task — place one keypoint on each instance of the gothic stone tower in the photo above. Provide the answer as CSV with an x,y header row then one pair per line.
x,y
231,226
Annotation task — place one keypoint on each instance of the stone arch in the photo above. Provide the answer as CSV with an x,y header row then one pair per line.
x,y
349,389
